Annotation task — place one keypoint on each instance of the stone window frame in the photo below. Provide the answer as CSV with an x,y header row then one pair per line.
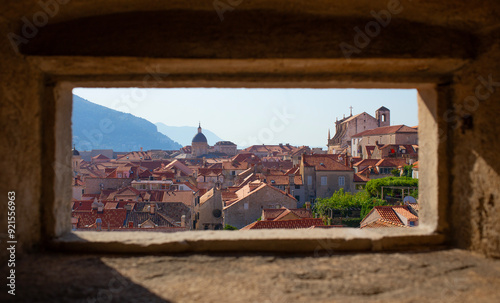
x,y
341,184
62,74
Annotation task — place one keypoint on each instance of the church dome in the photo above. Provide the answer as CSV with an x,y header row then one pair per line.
x,y
75,152
199,137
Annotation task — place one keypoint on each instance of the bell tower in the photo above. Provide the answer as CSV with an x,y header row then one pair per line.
x,y
383,116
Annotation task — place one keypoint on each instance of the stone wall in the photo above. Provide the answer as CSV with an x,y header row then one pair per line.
x,y
475,167
453,44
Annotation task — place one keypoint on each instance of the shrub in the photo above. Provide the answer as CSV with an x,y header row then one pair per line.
x,y
344,201
373,187
229,227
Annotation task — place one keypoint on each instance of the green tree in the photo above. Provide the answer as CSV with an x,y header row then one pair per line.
x,y
407,171
374,186
229,227
342,201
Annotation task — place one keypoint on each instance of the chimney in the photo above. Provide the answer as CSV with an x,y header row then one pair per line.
x,y
253,185
346,160
141,149
308,205
183,221
291,180
152,208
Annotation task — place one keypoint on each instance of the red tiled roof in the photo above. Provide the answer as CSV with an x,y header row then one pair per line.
x,y
283,180
388,213
235,165
83,205
110,205
285,224
358,177
293,171
128,188
191,186
381,223
246,157
324,162
386,130
136,156
366,163
388,216
185,197
100,157
114,217
153,195
274,149
271,214
405,212
281,165
209,171
229,195
391,162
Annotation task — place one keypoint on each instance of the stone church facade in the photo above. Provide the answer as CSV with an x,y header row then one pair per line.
x,y
349,126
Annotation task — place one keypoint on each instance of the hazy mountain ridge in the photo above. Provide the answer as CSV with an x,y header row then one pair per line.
x,y
99,127
184,134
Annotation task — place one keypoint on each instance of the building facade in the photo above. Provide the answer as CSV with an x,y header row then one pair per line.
x,y
199,144
349,126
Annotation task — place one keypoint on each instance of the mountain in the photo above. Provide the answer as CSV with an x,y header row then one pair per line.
x,y
99,127
184,134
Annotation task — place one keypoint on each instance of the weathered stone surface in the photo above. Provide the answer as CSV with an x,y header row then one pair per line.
x,y
473,118
34,118
440,276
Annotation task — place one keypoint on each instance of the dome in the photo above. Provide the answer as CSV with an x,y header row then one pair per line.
x,y
75,152
199,138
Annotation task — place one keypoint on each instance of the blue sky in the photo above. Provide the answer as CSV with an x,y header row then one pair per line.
x,y
257,116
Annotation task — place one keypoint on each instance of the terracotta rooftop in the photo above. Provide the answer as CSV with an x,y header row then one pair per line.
x,y
391,162
100,157
283,180
185,197
324,162
404,211
381,223
285,224
114,218
235,165
271,214
358,177
386,130
389,214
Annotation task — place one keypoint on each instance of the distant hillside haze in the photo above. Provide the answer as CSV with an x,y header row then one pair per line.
x,y
184,134
99,127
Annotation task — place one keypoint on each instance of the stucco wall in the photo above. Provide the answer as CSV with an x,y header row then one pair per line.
x,y
93,185
239,216
332,182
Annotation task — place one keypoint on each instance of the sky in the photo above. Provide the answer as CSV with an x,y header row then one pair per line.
x,y
257,116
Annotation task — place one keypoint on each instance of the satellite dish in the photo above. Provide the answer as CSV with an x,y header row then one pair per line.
x,y
409,199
